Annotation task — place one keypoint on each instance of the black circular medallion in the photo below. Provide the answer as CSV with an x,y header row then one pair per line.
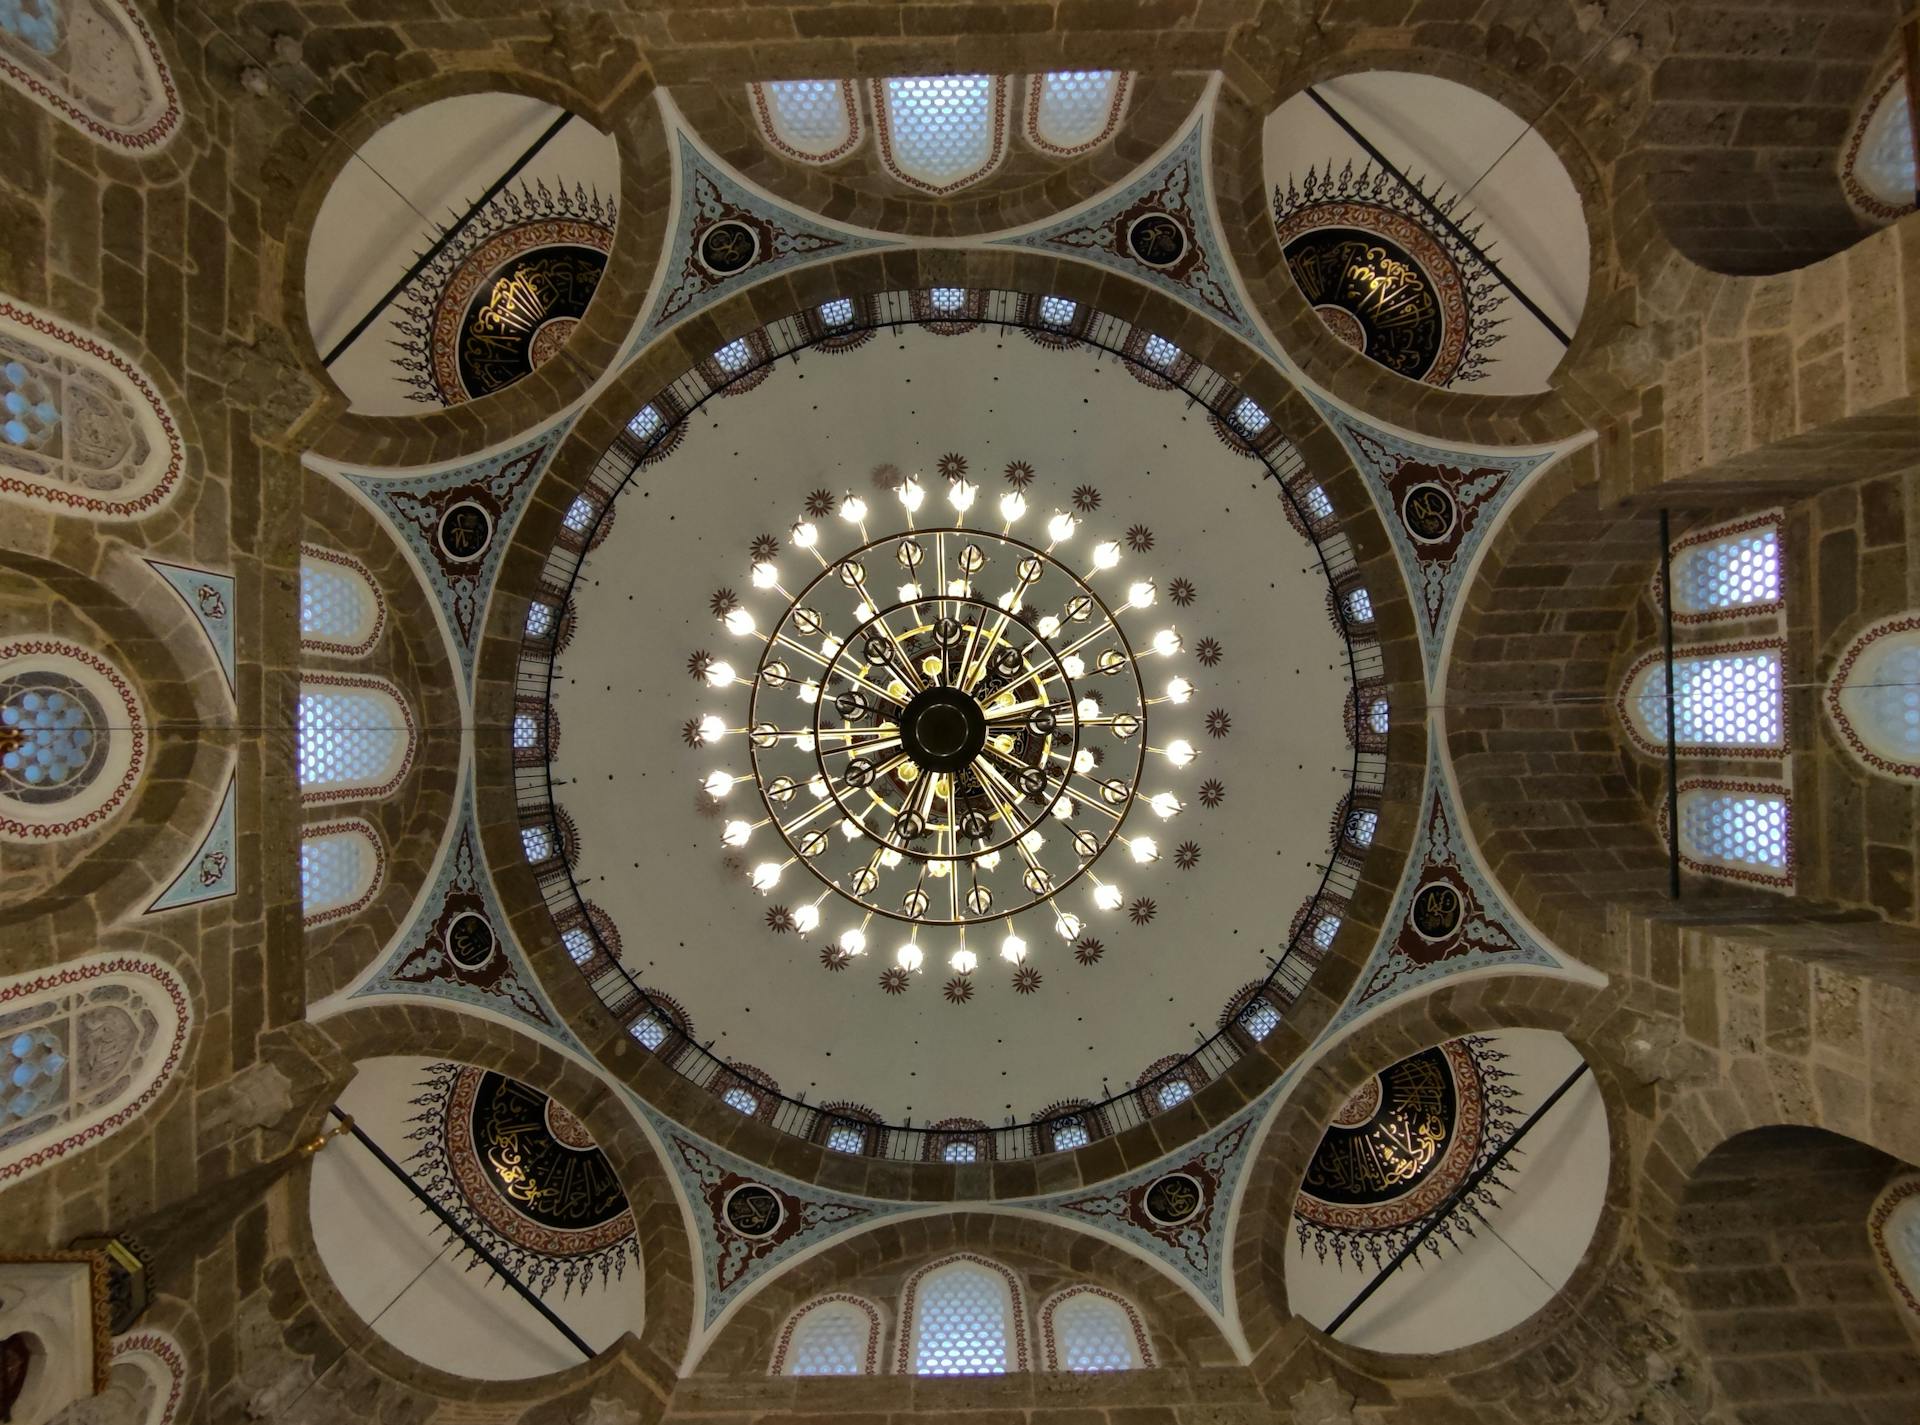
x,y
753,1210
1398,1145
556,1184
465,531
470,940
727,247
1381,289
1157,239
1429,512
1175,1198
943,729
543,291
1437,911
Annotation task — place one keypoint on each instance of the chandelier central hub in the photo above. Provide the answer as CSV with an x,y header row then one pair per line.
x,y
943,729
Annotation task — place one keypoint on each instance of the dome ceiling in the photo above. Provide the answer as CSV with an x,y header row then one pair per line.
x,y
1149,964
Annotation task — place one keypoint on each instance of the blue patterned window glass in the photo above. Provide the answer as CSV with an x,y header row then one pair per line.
x,y
33,1073
948,301
50,735
738,1098
348,736
1735,829
1172,1091
837,313
1249,417
1056,311
650,1032
1259,1019
32,414
579,943
1160,352
1731,701
959,1151
645,425
733,358
1319,507
961,1321
1070,1133
845,1138
1359,605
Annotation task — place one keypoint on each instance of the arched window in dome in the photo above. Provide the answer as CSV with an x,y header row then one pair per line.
x,y
1873,698
833,1335
958,1140
356,738
1070,111
341,612
84,1049
1728,570
851,1128
941,132
1169,1082
1877,167
964,1316
94,64
1069,1124
746,1090
1894,1229
1088,1328
1727,699
341,866
1737,830
813,120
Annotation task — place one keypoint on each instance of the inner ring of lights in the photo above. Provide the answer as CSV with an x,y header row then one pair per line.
x,y
960,754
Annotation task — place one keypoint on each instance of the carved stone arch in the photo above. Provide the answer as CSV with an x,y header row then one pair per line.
x,y
362,105
637,385
92,1045
95,65
646,1363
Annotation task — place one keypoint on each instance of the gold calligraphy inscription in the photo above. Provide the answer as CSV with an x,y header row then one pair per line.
x,y
1402,1143
553,1184
1381,286
496,344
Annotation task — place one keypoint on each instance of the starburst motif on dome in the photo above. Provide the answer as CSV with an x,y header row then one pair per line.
x,y
1186,855
706,806
886,477
690,732
1139,538
958,990
1219,723
1181,591
1018,474
1212,793
697,664
918,731
1026,980
1208,651
834,958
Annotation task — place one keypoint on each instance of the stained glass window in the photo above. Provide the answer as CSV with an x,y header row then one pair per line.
x,y
738,1098
1056,311
836,313
1259,1018
1091,1333
349,736
334,870
645,425
959,1151
736,356
961,1322
1170,1092
336,605
1160,352
845,1138
1072,107
1739,571
1723,700
948,301
942,130
579,942
1070,1133
810,118
831,1339
1361,825
1738,829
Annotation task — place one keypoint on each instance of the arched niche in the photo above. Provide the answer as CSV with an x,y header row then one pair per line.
x,y
505,291
1430,227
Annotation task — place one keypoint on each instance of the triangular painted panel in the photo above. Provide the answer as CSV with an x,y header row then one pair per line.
x,y
213,871
209,598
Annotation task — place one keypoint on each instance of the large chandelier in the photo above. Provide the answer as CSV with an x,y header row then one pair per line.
x,y
944,729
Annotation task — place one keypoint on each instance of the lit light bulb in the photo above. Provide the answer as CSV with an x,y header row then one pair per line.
x,y
736,833
1143,849
1060,528
889,858
718,784
1013,949
806,919
853,509
804,742
808,692
988,861
937,869
863,611
908,957
1049,626
850,828
960,495
1068,925
719,673
712,729
854,942
1074,666
1083,761
957,587
1106,555
909,592
1179,752
739,623
1179,690
818,786
1166,643
1010,601
806,534
1164,804
765,575
1140,596
830,645
766,876
1012,505
964,961
1063,808
1086,709
1033,841
1107,896
911,495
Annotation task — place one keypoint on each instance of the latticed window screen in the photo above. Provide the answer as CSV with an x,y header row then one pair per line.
x,y
347,735
1092,1333
334,603
1361,825
1887,164
645,424
537,843
1739,571
830,1340
808,115
1359,606
1172,1091
526,730
1325,927
1071,106
539,618
332,870
734,357
1259,1019
1056,311
1887,699
739,1098
948,301
579,943
1736,829
962,1323
1070,1133
1379,716
1250,417
579,516
1319,507
941,125
1731,700
649,1031
1160,352
845,1138
960,1151
836,313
